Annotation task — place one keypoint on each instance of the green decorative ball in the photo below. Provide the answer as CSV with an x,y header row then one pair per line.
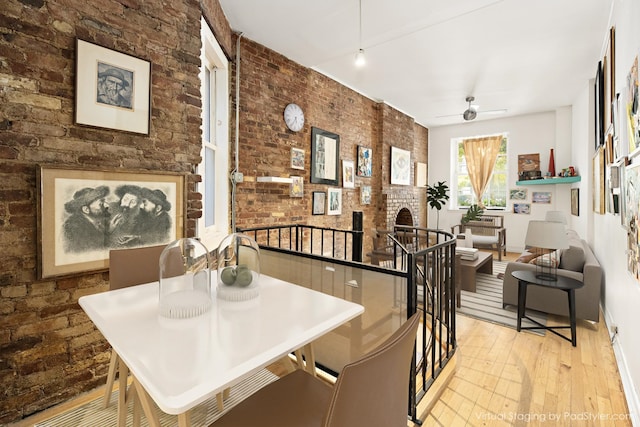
x,y
244,276
228,276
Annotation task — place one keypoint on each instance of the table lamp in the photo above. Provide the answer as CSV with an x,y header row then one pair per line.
x,y
544,238
556,216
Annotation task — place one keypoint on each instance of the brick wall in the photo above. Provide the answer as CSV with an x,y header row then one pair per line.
x,y
268,82
49,350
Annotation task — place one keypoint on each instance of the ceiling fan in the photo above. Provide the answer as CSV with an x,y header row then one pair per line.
x,y
472,110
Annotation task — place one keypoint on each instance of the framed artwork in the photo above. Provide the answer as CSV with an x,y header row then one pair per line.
x,y
610,73
297,158
632,108
82,214
529,166
599,106
334,196
632,216
365,195
364,159
348,174
518,194
598,181
541,197
297,186
318,202
421,174
400,166
522,208
575,201
113,90
325,149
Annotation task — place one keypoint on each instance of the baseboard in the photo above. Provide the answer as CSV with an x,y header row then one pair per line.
x,y
633,400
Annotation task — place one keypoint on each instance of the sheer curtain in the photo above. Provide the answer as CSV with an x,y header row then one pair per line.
x,y
481,154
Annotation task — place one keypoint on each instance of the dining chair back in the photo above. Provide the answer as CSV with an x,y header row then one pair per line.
x,y
129,267
372,391
134,266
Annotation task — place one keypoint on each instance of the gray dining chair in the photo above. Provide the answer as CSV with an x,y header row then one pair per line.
x,y
373,391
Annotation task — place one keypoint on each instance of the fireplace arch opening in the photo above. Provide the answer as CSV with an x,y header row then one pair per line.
x,y
404,217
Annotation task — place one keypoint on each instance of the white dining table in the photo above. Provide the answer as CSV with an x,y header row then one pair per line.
x,y
180,363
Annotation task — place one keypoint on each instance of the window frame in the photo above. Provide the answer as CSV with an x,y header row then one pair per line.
x,y
454,176
213,58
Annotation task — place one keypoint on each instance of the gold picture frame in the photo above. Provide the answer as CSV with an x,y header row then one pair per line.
x,y
83,214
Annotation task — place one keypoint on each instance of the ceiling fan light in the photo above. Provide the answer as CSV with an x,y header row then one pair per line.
x,y
469,114
360,59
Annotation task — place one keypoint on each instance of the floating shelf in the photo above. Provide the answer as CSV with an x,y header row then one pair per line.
x,y
275,179
550,181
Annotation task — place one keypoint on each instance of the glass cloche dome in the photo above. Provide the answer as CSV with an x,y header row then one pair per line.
x,y
238,268
185,283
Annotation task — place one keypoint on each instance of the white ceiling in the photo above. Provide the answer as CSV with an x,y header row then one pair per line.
x,y
425,56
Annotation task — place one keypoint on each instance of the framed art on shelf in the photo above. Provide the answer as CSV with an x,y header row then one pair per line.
x,y
113,89
334,196
400,166
348,174
325,149
318,202
364,159
83,214
297,158
598,181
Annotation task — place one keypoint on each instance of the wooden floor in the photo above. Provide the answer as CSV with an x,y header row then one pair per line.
x,y
506,378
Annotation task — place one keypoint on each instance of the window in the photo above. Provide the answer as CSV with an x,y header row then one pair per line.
x,y
214,169
462,194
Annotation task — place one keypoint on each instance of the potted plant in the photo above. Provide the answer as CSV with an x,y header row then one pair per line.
x,y
473,213
437,197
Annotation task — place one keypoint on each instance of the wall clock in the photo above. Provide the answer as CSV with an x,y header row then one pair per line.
x,y
294,117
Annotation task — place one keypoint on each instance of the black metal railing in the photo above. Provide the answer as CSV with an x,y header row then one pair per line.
x,y
421,276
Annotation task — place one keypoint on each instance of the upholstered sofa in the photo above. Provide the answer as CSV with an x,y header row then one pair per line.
x,y
577,262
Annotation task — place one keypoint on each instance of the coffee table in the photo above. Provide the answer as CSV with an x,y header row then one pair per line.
x,y
468,269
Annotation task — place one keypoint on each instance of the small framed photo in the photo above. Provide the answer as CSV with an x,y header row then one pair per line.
x,y
400,166
541,197
319,200
348,174
518,194
297,158
575,201
365,195
334,196
297,186
364,159
522,208
113,89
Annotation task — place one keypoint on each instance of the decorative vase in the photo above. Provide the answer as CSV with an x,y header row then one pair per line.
x,y
552,164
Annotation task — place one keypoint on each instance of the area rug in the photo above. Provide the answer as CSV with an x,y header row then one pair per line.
x,y
486,303
93,413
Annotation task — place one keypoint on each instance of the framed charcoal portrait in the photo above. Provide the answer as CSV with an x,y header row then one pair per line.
x,y
113,90
83,214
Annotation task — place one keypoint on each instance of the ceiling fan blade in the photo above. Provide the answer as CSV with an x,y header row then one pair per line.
x,y
499,111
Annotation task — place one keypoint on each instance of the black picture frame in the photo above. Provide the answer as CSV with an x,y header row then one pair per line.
x,y
599,107
318,202
325,154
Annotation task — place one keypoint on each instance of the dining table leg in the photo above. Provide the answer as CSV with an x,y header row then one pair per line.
x,y
147,404
123,372
184,420
310,358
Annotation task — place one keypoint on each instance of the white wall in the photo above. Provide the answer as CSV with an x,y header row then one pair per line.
x,y
535,133
570,132
621,299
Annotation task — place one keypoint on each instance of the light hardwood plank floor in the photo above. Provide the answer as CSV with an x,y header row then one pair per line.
x,y
506,378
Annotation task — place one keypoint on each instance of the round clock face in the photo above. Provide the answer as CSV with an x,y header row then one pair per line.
x,y
294,117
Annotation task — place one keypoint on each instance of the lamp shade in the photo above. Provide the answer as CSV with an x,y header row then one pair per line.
x,y
556,216
546,234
